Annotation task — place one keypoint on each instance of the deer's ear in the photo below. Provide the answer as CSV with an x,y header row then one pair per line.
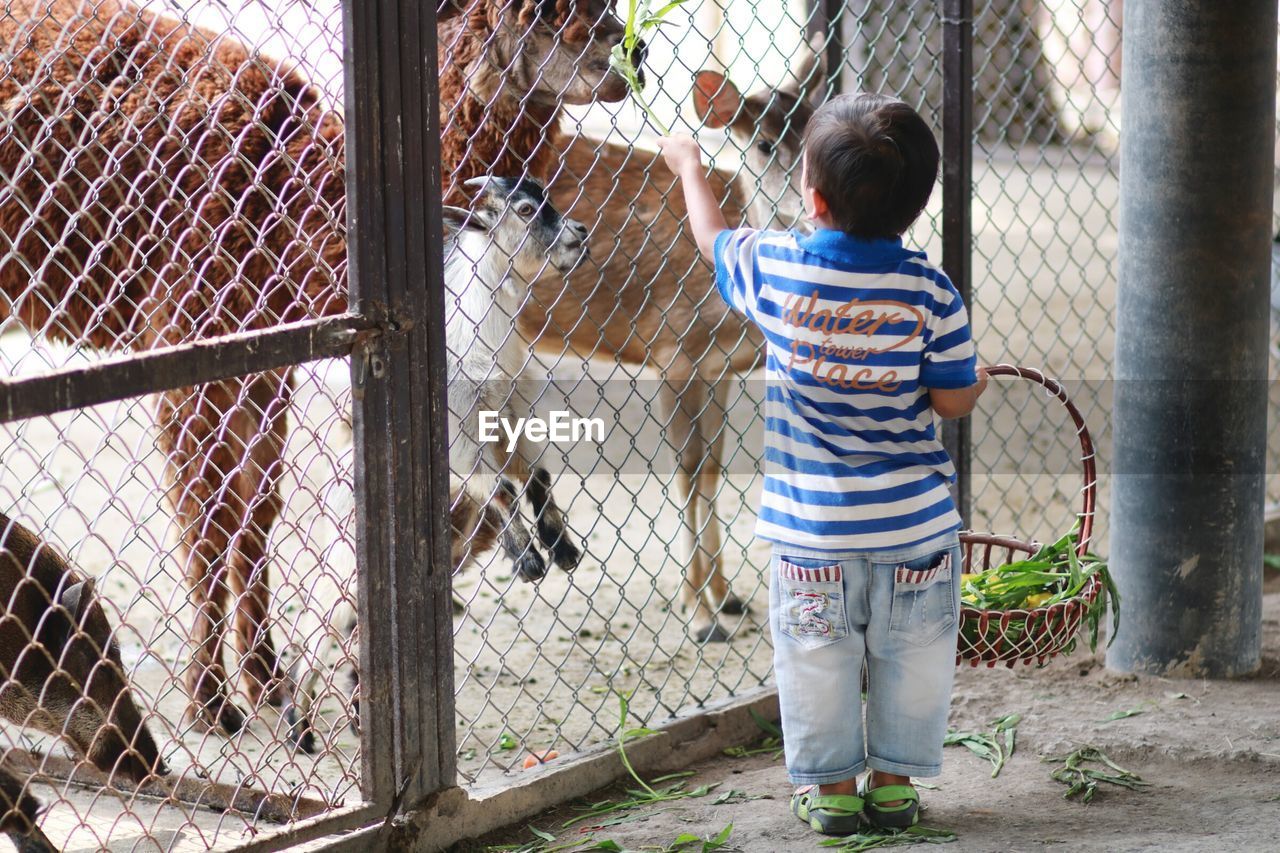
x,y
809,76
715,99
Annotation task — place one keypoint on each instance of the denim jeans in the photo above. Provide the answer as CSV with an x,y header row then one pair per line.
x,y
895,611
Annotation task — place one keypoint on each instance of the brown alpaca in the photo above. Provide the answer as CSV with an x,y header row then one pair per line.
x,y
650,298
160,186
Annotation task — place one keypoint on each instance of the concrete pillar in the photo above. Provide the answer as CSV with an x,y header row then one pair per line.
x,y
1191,334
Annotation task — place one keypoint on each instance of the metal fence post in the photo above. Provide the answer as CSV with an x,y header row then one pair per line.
x,y
957,201
398,377
827,21
1190,409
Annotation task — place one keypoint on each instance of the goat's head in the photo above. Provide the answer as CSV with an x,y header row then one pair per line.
x,y
767,127
517,220
545,52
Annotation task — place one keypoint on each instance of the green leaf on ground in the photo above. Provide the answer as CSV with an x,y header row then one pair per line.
x,y
646,794
874,839
736,796
996,746
1082,780
543,842
767,726
769,744
1122,715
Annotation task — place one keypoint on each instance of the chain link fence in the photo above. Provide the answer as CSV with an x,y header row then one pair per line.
x,y
663,517
177,493
175,171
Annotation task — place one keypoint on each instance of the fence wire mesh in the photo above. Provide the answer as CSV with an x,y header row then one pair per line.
x,y
664,505
173,170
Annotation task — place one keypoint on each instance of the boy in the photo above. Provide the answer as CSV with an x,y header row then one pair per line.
x,y
864,338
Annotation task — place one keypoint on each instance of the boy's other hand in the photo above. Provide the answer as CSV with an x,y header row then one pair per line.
x,y
681,153
982,383
958,402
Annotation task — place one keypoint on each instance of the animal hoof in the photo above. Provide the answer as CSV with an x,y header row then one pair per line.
x,y
301,734
218,712
733,606
531,566
565,554
265,680
713,633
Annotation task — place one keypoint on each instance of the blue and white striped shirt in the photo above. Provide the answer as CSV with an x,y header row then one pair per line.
x,y
856,333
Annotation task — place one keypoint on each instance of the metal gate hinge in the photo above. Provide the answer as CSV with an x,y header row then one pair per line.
x,y
366,360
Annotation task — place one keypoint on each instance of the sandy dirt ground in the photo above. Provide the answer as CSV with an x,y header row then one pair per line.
x,y
1209,749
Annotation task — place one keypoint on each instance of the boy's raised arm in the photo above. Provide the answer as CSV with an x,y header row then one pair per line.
x,y
684,158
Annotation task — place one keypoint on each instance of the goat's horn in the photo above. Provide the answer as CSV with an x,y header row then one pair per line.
x,y
478,183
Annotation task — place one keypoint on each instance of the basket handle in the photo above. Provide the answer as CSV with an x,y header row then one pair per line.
x,y
1087,455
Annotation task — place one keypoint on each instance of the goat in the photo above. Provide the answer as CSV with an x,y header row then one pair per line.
x,y
62,674
507,238
161,183
503,242
651,302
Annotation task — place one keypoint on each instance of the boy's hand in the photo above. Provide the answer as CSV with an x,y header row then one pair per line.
x,y
684,157
681,153
982,383
958,402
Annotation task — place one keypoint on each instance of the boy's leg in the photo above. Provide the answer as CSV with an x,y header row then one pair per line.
x,y
818,630
911,651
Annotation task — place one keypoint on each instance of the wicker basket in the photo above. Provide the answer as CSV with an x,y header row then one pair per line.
x,y
1035,635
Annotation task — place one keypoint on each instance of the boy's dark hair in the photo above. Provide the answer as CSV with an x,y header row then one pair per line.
x,y
874,161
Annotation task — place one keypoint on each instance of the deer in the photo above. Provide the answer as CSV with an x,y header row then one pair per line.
x,y
651,300
62,675
161,184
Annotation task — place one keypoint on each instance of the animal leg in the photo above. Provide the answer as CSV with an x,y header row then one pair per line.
x,y
259,426
712,426
514,536
679,405
205,490
552,526
324,659
474,527
18,821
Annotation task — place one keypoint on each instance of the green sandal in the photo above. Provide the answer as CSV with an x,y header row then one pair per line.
x,y
902,816
829,814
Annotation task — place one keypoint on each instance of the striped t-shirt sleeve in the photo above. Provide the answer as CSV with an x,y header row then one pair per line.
x,y
736,270
949,357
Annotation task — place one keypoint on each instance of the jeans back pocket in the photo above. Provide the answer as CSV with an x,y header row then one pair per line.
x,y
812,595
924,603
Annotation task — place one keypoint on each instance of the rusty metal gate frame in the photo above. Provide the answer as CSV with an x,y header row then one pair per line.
x,y
394,335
